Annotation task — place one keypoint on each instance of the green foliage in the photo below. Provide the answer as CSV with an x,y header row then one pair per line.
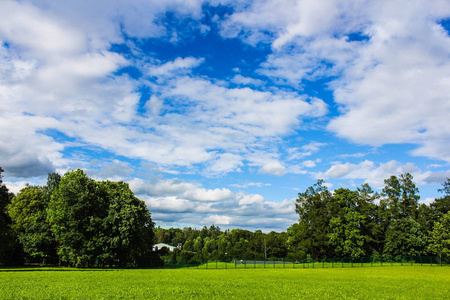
x,y
90,223
10,252
403,196
28,211
440,237
405,237
346,235
312,206
98,221
127,229
441,206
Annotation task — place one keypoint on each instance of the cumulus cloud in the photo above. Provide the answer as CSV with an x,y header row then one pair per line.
x,y
110,170
208,195
389,61
274,168
75,87
174,202
375,173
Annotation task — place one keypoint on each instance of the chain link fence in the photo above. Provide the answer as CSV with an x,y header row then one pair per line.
x,y
347,262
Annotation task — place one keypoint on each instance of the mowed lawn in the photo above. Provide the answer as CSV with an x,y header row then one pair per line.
x,y
406,282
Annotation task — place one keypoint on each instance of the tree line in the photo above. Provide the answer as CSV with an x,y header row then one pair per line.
x,y
342,223
75,221
356,223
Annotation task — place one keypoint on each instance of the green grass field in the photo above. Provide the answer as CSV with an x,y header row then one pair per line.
x,y
404,282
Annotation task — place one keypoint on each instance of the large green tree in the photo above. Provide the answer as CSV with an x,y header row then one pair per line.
x,y
98,221
440,237
371,228
10,252
346,236
28,211
402,195
76,211
312,208
127,229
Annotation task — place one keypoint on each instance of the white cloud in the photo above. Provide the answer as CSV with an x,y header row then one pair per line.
x,y
246,199
37,33
188,118
111,170
208,195
309,149
219,220
309,163
169,204
177,66
158,187
250,184
428,201
239,79
174,202
375,173
16,186
273,168
40,154
392,81
225,163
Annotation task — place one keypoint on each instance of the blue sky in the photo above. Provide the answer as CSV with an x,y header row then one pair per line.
x,y
217,112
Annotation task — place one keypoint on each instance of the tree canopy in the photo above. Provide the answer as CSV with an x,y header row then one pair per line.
x,y
78,221
82,222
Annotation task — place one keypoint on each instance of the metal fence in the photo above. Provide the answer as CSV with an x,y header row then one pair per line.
x,y
347,262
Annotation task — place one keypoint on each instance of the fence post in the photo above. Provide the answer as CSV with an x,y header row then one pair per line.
x,y
254,264
274,264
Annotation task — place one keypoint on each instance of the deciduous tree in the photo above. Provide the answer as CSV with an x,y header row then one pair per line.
x,y
440,237
312,208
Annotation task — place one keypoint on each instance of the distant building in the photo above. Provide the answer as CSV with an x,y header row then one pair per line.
x,y
161,245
